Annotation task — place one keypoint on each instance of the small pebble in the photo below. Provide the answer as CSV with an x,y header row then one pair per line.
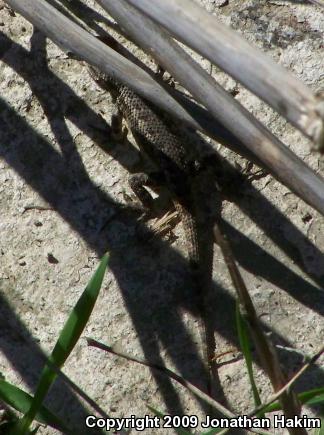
x,y
51,259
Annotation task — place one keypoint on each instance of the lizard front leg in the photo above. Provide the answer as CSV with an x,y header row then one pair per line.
x,y
138,183
118,132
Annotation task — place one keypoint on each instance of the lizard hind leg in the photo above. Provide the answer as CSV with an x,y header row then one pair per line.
x,y
149,207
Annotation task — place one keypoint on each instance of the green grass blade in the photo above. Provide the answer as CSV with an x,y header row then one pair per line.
x,y
21,401
178,430
320,431
317,400
212,431
246,350
311,397
69,336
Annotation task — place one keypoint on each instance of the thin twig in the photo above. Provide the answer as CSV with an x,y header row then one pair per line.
x,y
267,353
37,207
297,375
165,371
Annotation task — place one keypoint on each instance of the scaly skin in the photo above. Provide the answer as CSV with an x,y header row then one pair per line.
x,y
186,184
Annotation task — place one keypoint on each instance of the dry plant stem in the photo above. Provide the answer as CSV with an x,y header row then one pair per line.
x,y
194,26
281,162
266,351
165,371
288,384
317,2
72,37
276,157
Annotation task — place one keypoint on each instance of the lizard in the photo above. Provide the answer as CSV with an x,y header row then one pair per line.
x,y
186,180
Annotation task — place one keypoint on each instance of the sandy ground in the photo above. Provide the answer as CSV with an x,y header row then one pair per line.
x,y
63,181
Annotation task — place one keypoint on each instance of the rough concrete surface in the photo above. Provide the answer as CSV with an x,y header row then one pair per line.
x,y
63,182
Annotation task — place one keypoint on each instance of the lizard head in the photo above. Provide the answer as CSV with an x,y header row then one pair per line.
x,y
105,81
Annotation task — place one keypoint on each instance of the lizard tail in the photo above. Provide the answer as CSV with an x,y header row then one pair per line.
x,y
200,251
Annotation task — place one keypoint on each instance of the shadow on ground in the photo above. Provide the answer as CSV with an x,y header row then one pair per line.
x,y
60,178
